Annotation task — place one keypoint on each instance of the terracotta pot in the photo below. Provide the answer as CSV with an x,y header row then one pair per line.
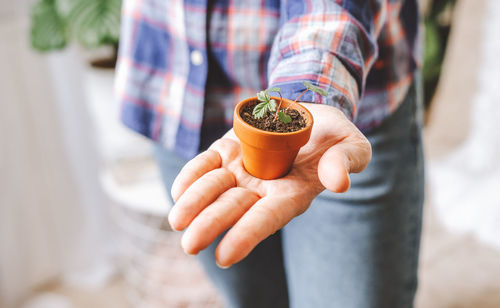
x,y
270,155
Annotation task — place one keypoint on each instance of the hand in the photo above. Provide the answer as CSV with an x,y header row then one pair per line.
x,y
213,192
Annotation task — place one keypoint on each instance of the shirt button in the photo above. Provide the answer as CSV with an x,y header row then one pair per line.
x,y
196,57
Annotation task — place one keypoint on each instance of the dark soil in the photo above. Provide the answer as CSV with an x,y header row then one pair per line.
x,y
268,123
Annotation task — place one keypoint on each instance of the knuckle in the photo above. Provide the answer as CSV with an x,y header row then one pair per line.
x,y
295,201
228,177
226,148
218,144
271,217
241,193
248,240
220,177
211,156
210,220
198,165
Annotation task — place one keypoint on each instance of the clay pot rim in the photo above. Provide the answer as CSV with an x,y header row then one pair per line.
x,y
309,119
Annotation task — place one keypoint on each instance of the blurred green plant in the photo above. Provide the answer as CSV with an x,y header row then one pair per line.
x,y
92,23
437,19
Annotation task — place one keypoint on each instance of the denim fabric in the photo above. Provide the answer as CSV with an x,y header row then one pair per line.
x,y
358,249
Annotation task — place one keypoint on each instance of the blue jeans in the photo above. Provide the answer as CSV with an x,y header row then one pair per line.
x,y
358,249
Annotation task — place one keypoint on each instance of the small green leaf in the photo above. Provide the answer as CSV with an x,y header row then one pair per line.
x,y
273,89
260,110
315,88
285,118
272,105
261,96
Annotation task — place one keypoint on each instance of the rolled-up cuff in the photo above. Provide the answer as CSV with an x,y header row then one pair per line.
x,y
322,69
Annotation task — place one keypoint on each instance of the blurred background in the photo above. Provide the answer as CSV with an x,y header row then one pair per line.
x,y
82,206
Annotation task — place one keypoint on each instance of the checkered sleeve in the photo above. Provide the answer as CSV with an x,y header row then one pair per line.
x,y
332,44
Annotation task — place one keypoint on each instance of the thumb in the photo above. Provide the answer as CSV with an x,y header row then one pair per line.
x,y
348,156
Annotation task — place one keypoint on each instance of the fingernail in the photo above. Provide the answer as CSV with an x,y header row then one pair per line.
x,y
220,266
189,254
185,246
174,229
170,220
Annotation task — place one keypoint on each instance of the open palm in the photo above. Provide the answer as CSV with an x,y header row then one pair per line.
x,y
213,192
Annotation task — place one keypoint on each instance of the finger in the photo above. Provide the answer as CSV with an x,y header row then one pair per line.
x,y
231,135
227,147
264,218
332,171
352,155
199,195
193,170
216,218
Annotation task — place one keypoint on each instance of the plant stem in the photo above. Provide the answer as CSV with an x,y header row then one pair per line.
x,y
295,101
278,108
281,99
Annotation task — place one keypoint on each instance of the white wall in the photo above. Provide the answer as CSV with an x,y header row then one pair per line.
x,y
53,214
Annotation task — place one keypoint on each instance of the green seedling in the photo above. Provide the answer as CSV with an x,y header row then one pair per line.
x,y
269,104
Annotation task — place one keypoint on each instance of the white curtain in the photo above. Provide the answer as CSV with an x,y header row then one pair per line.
x,y
465,185
54,219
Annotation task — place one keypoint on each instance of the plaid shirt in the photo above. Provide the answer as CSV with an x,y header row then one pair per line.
x,y
183,65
